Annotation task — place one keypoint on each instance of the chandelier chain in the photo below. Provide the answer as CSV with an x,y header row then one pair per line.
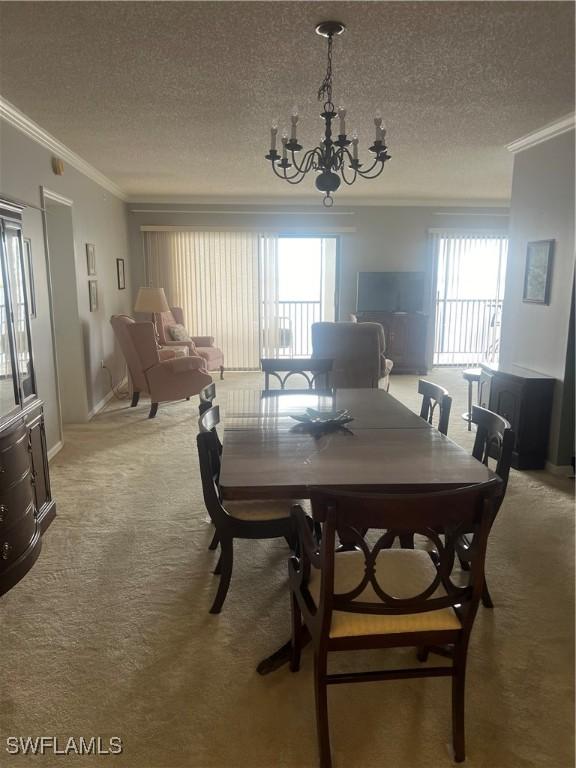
x,y
325,90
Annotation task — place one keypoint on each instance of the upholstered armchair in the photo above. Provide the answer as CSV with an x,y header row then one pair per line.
x,y
163,374
202,346
357,351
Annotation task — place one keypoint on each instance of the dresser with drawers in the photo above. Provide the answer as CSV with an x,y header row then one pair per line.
x,y
26,504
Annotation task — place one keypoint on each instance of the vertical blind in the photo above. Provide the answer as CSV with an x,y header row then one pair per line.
x,y
214,277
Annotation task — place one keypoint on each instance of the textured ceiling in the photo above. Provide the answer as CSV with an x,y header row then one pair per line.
x,y
175,99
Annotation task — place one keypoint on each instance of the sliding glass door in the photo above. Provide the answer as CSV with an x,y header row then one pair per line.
x,y
298,289
470,273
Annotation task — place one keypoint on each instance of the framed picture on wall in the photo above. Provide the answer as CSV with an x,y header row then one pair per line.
x,y
29,270
120,274
538,272
93,294
91,258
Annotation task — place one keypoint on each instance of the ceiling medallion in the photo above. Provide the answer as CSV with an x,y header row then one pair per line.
x,y
331,160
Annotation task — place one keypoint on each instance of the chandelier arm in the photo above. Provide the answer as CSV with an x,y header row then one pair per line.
x,y
284,175
294,178
305,165
368,173
343,174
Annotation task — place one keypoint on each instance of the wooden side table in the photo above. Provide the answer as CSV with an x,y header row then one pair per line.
x,y
471,375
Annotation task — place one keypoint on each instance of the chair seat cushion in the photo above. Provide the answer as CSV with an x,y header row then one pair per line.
x,y
260,509
402,573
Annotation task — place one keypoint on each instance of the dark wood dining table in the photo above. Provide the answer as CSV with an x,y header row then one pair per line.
x,y
386,448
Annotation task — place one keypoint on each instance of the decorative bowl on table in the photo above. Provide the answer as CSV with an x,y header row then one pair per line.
x,y
316,422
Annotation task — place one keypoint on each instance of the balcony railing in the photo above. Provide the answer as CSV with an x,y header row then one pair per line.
x,y
467,331
294,322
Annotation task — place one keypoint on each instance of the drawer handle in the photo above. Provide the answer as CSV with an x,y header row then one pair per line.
x,y
3,511
2,468
5,551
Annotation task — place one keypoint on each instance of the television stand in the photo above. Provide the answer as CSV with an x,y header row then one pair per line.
x,y
406,334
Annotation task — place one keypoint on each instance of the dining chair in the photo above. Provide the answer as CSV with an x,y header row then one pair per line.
x,y
207,397
378,596
316,371
494,440
258,519
434,396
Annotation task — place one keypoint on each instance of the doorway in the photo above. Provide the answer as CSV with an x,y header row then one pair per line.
x,y
469,275
66,325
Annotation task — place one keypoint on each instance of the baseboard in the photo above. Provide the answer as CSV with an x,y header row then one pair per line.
x,y
559,469
55,449
106,399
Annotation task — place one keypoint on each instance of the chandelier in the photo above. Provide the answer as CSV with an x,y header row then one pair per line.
x,y
332,159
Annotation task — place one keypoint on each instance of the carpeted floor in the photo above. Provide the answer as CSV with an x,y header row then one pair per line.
x,y
110,634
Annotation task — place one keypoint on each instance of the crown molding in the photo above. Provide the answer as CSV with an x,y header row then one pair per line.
x,y
546,133
14,117
272,203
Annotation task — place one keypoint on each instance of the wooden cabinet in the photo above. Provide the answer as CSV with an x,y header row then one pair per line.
x,y
524,398
405,334
26,504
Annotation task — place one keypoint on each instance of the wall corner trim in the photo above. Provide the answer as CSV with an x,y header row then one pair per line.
x,y
106,399
55,449
561,470
14,117
546,133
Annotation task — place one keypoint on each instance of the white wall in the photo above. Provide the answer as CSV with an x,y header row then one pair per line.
x,y
542,208
98,217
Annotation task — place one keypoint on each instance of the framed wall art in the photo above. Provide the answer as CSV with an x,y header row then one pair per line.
x,y
91,258
538,272
120,275
93,295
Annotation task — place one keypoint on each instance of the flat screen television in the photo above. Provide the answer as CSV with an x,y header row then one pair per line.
x,y
391,291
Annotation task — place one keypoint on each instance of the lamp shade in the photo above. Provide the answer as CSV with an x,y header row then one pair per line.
x,y
151,300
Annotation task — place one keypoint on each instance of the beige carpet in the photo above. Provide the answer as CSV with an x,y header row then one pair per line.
x,y
110,633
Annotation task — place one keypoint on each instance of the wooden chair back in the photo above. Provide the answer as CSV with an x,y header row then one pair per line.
x,y
452,512
434,396
209,457
207,396
315,371
494,440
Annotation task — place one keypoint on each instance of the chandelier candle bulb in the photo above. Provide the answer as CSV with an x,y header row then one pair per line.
x,y
284,142
294,123
378,124
273,133
342,116
355,146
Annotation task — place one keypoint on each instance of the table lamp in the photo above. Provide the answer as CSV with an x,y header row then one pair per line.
x,y
153,301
